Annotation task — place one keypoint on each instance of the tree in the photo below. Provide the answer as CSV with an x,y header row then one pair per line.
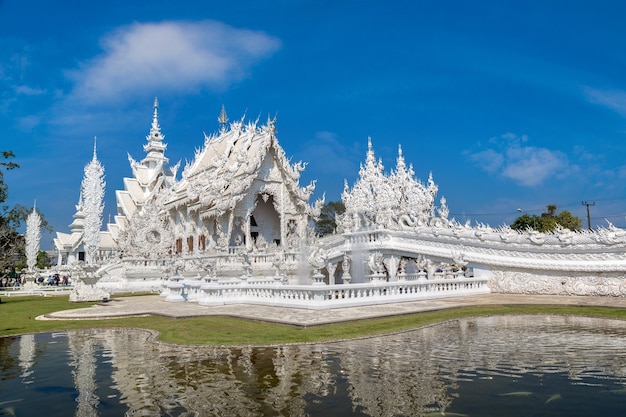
x,y
548,221
524,222
7,166
12,242
43,261
327,222
569,221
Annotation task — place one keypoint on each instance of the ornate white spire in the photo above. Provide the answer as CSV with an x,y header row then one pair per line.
x,y
400,164
33,238
155,148
79,218
223,119
379,199
270,126
92,190
155,129
370,160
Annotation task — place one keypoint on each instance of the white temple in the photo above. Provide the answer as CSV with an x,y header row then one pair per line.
x,y
236,228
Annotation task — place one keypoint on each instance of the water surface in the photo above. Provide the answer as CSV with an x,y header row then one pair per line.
x,y
493,366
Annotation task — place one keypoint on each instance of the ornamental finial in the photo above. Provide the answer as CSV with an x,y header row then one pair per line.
x,y
155,129
155,117
223,119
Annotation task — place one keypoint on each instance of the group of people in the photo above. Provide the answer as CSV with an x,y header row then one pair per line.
x,y
55,279
14,281
7,281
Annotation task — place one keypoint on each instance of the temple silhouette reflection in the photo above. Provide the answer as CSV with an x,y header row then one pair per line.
x,y
411,373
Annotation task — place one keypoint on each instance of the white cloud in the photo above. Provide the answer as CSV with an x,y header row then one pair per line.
x,y
526,165
28,122
28,91
613,99
530,166
175,56
489,160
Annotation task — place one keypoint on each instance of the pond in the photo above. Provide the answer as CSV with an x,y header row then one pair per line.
x,y
491,366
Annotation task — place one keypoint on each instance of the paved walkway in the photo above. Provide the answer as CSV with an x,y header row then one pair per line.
x,y
155,305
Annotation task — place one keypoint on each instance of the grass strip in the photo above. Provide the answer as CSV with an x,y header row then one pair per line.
x,y
19,318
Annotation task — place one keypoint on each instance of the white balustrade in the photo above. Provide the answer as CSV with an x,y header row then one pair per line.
x,y
338,295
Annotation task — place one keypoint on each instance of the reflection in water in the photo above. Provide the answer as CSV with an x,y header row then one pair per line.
x,y
477,366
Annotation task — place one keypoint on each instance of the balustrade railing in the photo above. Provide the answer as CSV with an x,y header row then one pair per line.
x,y
43,290
338,295
364,237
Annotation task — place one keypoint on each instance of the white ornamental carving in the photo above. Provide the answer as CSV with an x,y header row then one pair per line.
x,y
395,201
33,238
149,234
92,189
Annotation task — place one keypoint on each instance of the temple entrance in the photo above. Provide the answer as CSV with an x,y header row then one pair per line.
x,y
265,223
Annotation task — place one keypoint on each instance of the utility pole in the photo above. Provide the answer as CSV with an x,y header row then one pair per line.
x,y
588,203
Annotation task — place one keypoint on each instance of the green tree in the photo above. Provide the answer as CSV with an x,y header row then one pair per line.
x,y
11,242
524,222
11,218
327,222
548,220
43,261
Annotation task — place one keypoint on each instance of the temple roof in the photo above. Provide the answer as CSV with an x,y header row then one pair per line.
x,y
225,168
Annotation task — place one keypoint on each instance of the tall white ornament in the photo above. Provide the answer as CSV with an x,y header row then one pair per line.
x,y
92,188
33,238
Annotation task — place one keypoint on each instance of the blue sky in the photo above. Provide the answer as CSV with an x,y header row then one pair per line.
x,y
509,104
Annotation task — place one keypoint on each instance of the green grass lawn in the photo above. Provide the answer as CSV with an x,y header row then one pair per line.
x,y
19,317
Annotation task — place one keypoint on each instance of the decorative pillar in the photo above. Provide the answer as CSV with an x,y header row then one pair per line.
x,y
331,267
391,264
345,266
229,232
247,231
283,233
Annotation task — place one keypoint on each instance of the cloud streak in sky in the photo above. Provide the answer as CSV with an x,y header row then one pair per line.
x,y
612,99
175,56
527,166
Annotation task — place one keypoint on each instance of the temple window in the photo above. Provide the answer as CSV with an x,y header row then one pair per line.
x,y
179,245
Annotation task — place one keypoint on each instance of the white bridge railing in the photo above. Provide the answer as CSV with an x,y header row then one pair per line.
x,y
43,290
323,296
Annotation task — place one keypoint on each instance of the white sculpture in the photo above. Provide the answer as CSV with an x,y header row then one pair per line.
x,y
33,237
92,189
88,292
395,201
